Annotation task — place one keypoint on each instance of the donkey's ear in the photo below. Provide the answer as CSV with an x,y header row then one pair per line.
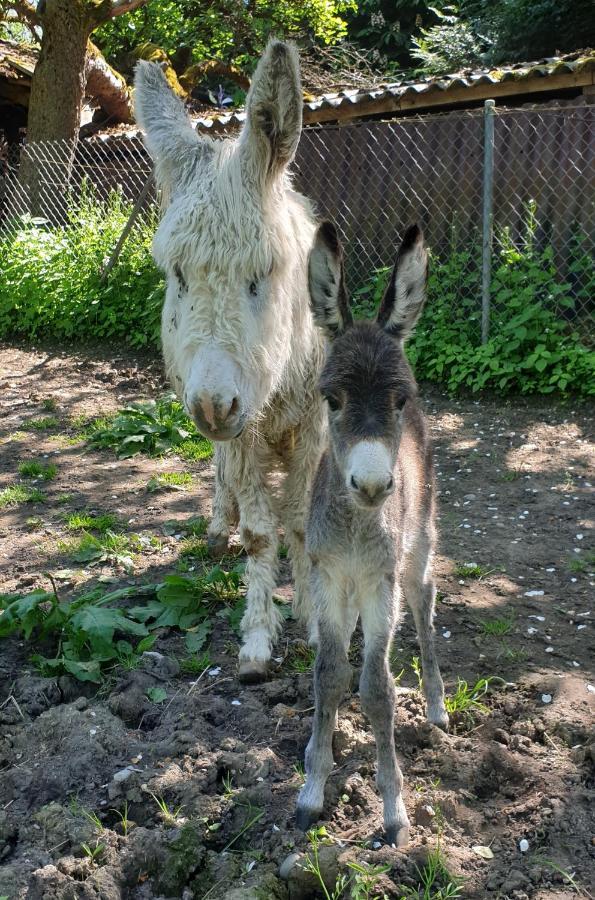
x,y
273,112
169,136
326,282
405,295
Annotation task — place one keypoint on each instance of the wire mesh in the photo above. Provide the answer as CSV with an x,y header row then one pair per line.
x,y
375,178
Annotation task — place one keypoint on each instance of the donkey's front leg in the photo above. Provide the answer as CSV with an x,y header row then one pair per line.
x,y
377,693
262,621
225,510
332,676
301,463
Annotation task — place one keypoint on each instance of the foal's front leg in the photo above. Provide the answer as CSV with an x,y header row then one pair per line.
x,y
332,676
377,693
262,621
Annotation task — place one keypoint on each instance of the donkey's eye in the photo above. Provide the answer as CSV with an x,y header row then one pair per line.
x,y
253,288
401,401
333,403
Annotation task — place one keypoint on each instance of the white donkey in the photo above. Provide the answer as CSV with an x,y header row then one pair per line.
x,y
239,342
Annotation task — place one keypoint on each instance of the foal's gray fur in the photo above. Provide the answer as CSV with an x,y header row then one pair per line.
x,y
370,533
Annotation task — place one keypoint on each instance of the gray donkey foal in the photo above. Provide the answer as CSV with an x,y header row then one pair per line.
x,y
370,533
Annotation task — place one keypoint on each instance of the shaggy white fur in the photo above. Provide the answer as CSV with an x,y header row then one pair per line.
x,y
238,338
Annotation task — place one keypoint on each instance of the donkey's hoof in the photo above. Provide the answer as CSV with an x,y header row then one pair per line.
x,y
439,717
217,545
397,835
305,817
252,671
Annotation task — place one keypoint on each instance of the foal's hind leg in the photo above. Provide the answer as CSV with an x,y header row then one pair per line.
x,y
225,509
420,592
377,692
332,675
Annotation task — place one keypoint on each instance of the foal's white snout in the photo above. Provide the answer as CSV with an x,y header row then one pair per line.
x,y
369,474
212,395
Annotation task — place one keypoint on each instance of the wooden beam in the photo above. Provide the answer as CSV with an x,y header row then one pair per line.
x,y
457,95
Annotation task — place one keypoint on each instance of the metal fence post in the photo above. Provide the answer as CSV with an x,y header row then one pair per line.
x,y
488,197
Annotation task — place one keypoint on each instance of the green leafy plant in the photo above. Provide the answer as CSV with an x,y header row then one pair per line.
x,y
301,658
167,815
471,570
34,469
155,428
316,837
93,853
43,424
364,884
497,627
125,823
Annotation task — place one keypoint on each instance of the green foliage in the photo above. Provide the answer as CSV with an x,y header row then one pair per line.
x,y
155,427
45,423
470,570
16,494
51,277
83,635
451,45
228,31
535,345
34,469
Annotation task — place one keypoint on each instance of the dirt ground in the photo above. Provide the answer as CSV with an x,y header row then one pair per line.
x,y
515,498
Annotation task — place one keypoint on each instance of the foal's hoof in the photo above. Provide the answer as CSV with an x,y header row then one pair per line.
x,y
217,545
305,818
439,717
252,671
397,836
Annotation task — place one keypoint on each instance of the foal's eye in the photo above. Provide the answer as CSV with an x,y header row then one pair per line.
x,y
253,288
333,403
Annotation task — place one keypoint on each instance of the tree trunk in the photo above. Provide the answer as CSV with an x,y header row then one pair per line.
x,y
58,83
108,87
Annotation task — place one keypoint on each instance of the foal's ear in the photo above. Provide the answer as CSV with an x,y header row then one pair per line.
x,y
169,136
326,282
273,112
405,295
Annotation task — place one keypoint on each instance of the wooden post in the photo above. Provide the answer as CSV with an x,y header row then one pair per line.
x,y
488,198
127,227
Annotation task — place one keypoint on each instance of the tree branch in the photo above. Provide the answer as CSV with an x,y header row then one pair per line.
x,y
25,12
118,7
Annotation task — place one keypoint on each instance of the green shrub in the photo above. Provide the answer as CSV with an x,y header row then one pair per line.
x,y
538,330
52,285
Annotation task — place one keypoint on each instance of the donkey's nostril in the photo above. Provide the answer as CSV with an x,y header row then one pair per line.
x,y
234,407
354,484
390,483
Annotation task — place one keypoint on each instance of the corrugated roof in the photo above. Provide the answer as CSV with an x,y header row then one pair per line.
x,y
431,91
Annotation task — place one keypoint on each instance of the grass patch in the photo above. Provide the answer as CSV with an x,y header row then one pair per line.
x,y
169,481
301,658
107,547
435,882
16,494
195,664
45,423
497,627
49,404
466,699
34,469
581,564
193,548
194,450
84,521
471,570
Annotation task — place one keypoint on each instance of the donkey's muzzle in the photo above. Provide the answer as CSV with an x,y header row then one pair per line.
x,y
216,418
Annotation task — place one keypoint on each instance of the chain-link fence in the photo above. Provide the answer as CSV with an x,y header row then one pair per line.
x,y
491,188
